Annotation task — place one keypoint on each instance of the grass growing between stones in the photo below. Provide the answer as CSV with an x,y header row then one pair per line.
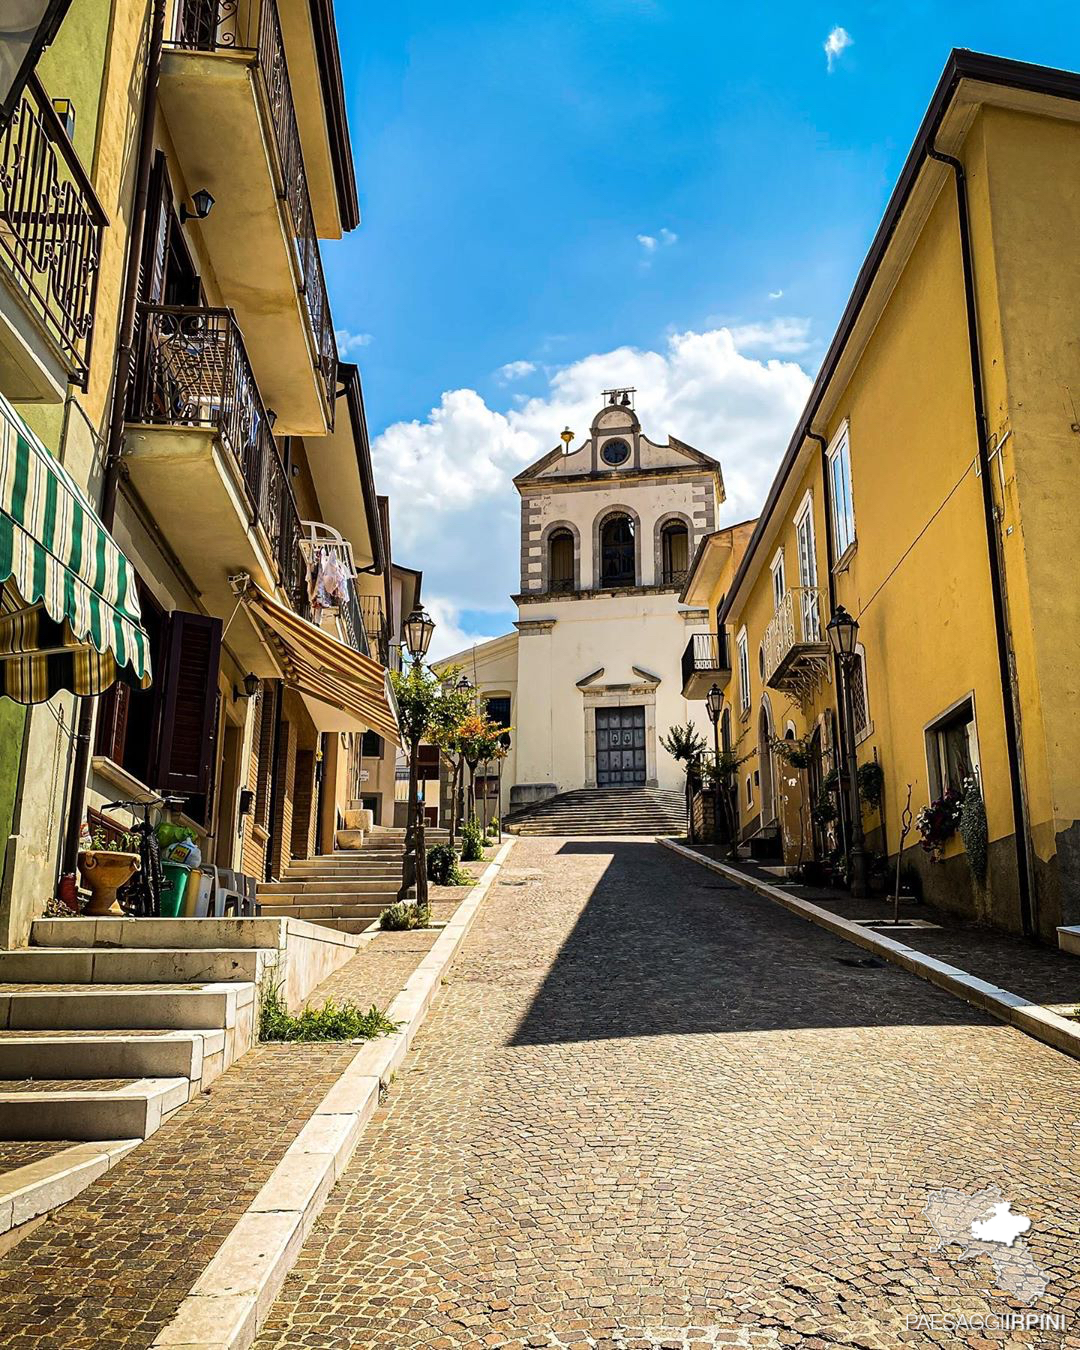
x,y
332,1022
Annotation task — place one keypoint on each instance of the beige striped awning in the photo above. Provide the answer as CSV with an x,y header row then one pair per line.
x,y
342,689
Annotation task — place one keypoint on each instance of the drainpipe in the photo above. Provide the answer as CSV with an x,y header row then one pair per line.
x,y
1010,702
121,379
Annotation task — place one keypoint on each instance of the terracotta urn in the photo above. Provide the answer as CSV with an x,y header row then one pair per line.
x,y
103,873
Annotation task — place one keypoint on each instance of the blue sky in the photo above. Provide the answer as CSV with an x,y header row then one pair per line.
x,y
558,195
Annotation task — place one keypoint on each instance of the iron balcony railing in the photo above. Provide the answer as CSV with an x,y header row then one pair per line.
x,y
797,624
230,26
674,576
50,225
704,654
371,607
193,371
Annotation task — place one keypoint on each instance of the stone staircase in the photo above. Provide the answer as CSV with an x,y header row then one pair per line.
x,y
604,811
104,1040
347,889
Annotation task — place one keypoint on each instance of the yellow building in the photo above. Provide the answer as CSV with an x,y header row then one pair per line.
x,y
204,151
929,490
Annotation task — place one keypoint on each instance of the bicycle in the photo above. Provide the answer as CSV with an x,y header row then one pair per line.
x,y
141,896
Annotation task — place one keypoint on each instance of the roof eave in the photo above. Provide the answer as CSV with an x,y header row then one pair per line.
x,y
961,65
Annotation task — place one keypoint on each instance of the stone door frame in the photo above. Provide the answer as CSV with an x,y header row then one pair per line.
x,y
620,696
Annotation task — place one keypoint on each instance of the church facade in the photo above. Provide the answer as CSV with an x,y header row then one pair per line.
x,y
591,675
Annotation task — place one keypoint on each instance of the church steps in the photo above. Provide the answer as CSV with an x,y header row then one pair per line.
x,y
603,811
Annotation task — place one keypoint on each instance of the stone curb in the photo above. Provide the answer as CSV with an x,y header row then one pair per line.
x,y
231,1298
1019,1012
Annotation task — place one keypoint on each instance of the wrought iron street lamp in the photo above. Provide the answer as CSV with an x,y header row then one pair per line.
x,y
713,702
566,436
843,632
419,627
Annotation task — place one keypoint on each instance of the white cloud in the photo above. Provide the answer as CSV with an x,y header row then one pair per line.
x,y
449,635
350,343
776,295
456,513
835,44
515,370
664,239
787,336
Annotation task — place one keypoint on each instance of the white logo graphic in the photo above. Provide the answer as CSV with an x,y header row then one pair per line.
x,y
983,1224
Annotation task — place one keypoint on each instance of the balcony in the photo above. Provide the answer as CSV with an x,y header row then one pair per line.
x,y
378,631
226,94
201,454
50,246
344,619
705,662
795,649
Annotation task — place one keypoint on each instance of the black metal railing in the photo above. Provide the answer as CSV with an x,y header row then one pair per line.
x,y
192,371
229,25
352,620
703,654
561,585
674,576
50,225
374,616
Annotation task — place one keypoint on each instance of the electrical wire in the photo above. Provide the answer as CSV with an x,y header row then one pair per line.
x,y
900,561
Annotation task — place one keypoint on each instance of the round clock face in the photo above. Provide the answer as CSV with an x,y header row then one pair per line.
x,y
615,452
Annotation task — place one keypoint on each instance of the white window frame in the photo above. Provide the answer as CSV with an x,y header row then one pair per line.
x,y
743,657
778,580
845,534
935,776
803,521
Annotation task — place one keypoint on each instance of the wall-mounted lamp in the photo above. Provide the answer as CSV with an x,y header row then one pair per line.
x,y
251,688
202,203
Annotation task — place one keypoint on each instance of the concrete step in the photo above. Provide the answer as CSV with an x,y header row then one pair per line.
x,y
182,934
117,1007
88,1109
38,1187
318,912
375,871
138,965
326,887
111,1054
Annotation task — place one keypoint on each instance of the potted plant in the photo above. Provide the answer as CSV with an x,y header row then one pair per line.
x,y
937,822
105,866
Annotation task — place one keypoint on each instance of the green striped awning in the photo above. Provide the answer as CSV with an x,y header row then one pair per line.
x,y
59,558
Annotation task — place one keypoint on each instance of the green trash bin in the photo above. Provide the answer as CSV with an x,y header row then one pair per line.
x,y
172,891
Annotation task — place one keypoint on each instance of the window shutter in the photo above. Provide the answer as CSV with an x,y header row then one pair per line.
x,y
189,698
112,722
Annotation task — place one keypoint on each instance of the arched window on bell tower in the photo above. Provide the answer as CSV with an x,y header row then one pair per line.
x,y
617,563
561,561
674,553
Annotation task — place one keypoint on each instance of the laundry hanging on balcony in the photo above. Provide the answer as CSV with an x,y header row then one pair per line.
x,y
342,689
69,613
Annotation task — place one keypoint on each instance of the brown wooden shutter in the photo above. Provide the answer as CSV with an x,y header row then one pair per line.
x,y
156,237
189,698
112,722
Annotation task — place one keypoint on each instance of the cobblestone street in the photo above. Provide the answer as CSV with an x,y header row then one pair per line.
x,y
650,1108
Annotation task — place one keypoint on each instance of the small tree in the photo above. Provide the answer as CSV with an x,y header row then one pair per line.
x,y
426,707
686,745
480,739
456,707
722,775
